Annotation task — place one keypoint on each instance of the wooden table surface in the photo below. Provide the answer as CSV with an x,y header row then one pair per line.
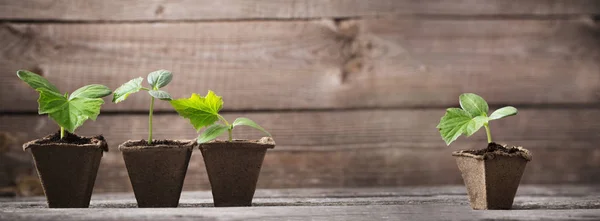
x,y
401,203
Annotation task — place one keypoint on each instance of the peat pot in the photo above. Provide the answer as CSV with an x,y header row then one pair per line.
x,y
157,171
67,167
233,169
492,175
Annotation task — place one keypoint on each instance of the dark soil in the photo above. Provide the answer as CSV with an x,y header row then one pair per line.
x,y
154,143
68,139
493,148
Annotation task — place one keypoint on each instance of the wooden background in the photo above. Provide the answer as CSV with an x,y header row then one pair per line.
x,y
351,90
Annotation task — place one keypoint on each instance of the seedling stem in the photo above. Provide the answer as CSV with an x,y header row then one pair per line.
x,y
150,120
229,127
62,132
487,131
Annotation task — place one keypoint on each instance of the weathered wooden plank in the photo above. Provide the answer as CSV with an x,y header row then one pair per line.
x,y
314,64
358,148
408,203
139,10
349,213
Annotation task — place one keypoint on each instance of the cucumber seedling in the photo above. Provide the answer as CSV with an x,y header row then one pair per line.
x,y
468,119
68,111
204,111
157,80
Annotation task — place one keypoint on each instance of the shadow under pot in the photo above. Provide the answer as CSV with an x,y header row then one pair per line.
x,y
492,175
233,169
157,171
67,167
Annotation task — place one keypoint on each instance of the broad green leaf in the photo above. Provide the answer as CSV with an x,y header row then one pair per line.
x,y
69,114
163,95
36,81
126,89
474,104
201,111
250,123
503,112
457,121
212,132
50,101
91,91
159,78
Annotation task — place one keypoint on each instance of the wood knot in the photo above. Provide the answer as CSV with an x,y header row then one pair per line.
x,y
348,29
159,10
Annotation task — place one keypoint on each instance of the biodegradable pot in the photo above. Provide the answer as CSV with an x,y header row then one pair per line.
x,y
492,178
157,171
67,171
233,169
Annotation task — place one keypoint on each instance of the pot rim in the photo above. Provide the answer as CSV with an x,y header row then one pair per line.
x,y
128,145
263,142
96,143
523,153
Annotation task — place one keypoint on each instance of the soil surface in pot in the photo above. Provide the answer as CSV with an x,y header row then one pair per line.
x,y
494,149
71,138
154,143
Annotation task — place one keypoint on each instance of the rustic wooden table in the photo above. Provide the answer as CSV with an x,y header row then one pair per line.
x,y
404,203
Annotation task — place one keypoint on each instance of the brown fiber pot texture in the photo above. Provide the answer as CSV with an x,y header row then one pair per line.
x,y
233,169
157,172
492,179
67,171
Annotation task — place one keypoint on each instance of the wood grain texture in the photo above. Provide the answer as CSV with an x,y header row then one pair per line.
x,y
272,65
157,10
533,202
358,148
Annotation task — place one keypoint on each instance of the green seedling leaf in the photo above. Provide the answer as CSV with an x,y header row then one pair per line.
x,y
247,122
201,111
503,112
160,78
36,81
68,113
163,95
127,89
91,91
457,121
470,118
212,132
474,104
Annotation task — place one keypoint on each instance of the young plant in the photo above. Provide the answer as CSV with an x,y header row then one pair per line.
x,y
469,119
157,80
68,111
204,111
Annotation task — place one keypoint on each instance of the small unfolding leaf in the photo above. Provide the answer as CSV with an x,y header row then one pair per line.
x,y
91,91
474,104
212,132
163,95
36,81
69,114
201,111
127,89
503,112
160,78
247,122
